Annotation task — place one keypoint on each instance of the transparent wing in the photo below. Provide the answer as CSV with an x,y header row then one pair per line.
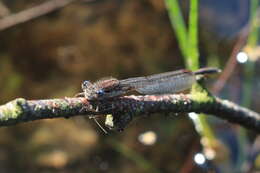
x,y
164,83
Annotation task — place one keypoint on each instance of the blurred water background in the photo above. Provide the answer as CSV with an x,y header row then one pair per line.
x,y
50,56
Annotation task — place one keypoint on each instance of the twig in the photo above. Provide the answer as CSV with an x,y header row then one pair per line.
x,y
32,13
124,109
232,62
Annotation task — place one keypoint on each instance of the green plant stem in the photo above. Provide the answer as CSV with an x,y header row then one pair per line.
x,y
192,61
178,24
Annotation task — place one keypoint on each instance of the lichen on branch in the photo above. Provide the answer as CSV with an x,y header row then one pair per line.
x,y
122,110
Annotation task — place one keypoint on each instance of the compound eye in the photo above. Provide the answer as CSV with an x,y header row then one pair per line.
x,y
85,84
100,92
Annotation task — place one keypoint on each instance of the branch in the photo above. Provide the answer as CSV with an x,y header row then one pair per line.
x,y
123,109
32,13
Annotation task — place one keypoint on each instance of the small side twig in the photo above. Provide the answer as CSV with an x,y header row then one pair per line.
x,y
126,108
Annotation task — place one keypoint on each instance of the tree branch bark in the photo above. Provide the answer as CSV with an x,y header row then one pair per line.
x,y
122,110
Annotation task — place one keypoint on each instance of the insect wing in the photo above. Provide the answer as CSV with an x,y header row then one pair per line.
x,y
164,83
